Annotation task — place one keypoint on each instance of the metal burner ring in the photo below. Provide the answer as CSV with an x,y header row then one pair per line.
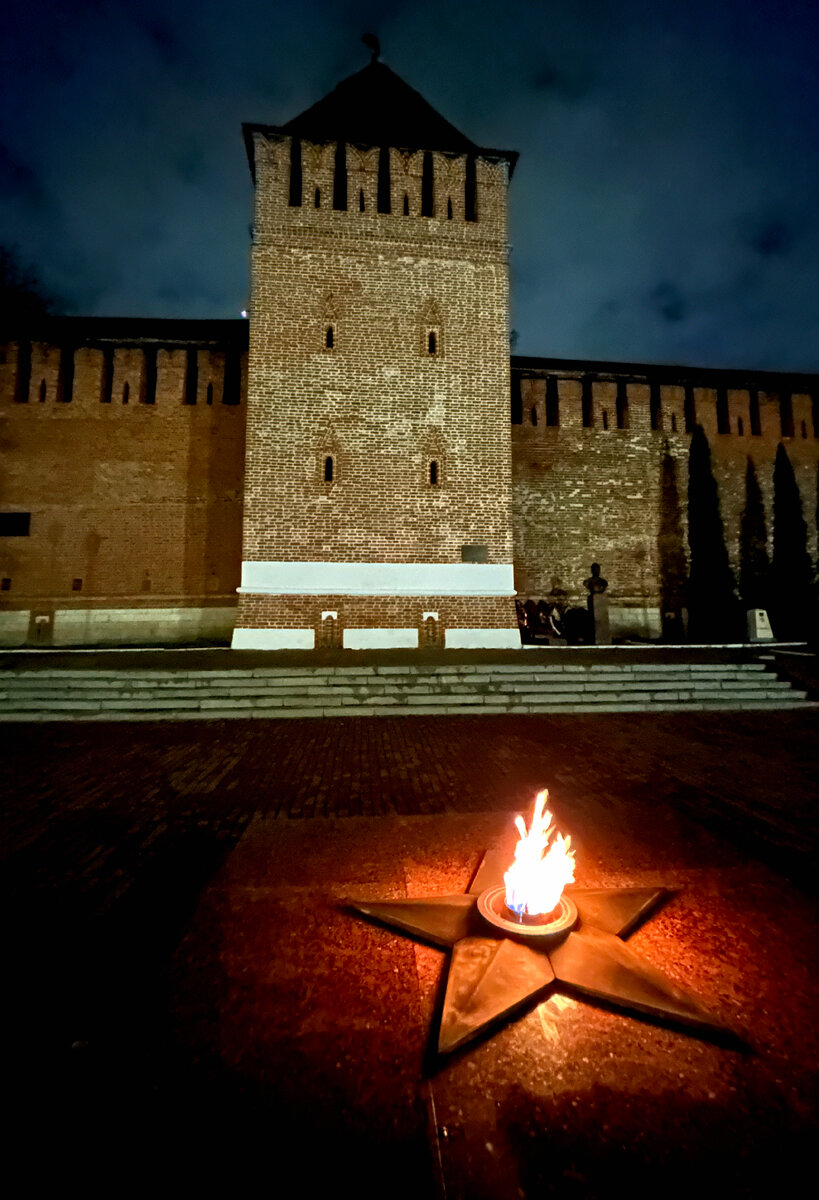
x,y
492,905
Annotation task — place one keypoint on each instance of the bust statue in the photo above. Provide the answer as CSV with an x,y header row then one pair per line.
x,y
595,584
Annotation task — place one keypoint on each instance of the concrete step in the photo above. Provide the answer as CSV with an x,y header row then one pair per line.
x,y
75,694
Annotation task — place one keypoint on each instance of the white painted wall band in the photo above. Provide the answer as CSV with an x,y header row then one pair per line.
x,y
481,639
377,579
380,639
273,639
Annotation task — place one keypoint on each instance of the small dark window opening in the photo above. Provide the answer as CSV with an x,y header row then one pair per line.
x,y
586,404
723,419
295,173
433,473
605,419
126,392
107,382
42,391
786,415
76,585
804,429
475,554
533,414
340,178
753,412
5,584
191,376
384,202
654,406
209,394
317,198
689,409
432,342
328,469
233,378
65,379
428,186
23,373
740,427
330,338
517,401
621,404
552,401
406,205
149,396
673,422
361,204
15,524
470,190
449,208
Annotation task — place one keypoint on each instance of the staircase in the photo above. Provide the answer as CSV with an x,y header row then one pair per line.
x,y
149,694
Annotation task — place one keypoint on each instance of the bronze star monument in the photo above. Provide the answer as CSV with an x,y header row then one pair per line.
x,y
492,976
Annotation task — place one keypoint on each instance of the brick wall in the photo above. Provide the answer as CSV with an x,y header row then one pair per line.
x,y
135,496
584,493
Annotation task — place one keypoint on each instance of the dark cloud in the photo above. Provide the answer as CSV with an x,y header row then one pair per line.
x,y
772,237
667,300
164,41
19,180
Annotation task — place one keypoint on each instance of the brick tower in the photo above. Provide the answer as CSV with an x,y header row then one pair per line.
x,y
378,470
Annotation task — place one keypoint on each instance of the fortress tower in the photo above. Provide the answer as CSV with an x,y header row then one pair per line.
x,y
378,463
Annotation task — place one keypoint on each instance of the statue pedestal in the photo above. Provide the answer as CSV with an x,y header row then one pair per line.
x,y
598,603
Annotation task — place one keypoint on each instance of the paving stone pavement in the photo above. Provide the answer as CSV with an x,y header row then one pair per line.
x,y
156,967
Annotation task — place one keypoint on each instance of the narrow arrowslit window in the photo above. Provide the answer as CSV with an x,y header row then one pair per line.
x,y
432,342
449,208
126,392
209,394
330,338
328,469
295,173
383,203
433,473
427,186
340,178
605,419
318,198
621,404
586,404
753,411
552,401
361,204
406,205
42,391
471,190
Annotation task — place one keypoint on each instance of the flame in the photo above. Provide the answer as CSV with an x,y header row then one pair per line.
x,y
544,864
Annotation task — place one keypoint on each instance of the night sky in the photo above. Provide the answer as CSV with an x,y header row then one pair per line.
x,y
665,207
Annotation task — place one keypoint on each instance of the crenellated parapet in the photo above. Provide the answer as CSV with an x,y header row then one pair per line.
x,y
72,363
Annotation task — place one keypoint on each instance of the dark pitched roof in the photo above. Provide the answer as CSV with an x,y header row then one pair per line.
x,y
375,107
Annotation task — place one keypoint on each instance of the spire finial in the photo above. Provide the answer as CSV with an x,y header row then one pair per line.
x,y
372,42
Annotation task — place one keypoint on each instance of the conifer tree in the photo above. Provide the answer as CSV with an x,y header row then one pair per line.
x,y
754,564
791,568
670,546
712,604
